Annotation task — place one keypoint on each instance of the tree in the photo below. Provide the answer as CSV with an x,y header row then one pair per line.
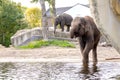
x,y
11,20
44,20
51,4
44,17
52,8
33,17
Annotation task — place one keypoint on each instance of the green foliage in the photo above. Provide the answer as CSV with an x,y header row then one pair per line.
x,y
11,20
41,43
32,1
50,2
33,17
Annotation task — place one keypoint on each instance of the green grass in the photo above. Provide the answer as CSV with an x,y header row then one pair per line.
x,y
41,43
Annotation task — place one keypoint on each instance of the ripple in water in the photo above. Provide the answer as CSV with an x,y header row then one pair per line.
x,y
59,71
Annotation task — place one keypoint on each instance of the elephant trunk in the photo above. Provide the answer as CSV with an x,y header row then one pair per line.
x,y
54,29
72,33
55,25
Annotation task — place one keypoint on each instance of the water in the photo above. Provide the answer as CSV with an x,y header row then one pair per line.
x,y
59,71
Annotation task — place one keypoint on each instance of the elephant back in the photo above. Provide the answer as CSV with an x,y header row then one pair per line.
x,y
68,18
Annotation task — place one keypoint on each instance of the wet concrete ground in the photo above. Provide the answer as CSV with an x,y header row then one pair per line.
x,y
59,71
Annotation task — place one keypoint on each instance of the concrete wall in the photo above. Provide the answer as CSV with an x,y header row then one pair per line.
x,y
106,20
23,37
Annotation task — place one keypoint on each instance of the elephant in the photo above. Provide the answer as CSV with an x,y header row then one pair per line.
x,y
63,19
85,29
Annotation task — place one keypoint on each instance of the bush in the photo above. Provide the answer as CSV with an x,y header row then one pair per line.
x,y
33,17
11,20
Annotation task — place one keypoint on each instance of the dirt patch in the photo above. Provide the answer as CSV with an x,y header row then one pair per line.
x,y
53,53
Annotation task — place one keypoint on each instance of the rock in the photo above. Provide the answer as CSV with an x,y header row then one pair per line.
x,y
105,44
1,46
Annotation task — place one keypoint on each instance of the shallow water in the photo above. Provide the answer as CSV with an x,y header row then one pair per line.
x,y
59,71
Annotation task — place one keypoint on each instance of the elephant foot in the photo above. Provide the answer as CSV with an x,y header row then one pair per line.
x,y
85,70
94,63
67,30
62,31
85,63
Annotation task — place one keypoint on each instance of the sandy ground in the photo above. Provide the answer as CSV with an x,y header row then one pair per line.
x,y
53,53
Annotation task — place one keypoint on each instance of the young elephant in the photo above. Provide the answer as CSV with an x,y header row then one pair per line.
x,y
88,35
63,19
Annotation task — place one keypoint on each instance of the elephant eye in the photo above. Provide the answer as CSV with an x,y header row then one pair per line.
x,y
76,32
80,25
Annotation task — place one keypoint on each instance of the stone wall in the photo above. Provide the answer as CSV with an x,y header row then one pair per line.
x,y
106,20
23,37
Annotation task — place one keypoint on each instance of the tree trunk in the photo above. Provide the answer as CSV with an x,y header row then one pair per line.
x,y
53,10
44,20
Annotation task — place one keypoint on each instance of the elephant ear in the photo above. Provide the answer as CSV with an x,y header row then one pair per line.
x,y
56,20
62,17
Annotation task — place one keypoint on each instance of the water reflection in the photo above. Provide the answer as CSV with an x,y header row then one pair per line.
x,y
88,72
59,71
4,70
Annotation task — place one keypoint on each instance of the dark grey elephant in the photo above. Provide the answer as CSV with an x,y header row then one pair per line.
x,y
63,19
88,35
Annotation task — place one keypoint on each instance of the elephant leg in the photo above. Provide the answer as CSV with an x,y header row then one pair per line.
x,y
62,25
62,29
95,53
82,44
86,51
68,28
